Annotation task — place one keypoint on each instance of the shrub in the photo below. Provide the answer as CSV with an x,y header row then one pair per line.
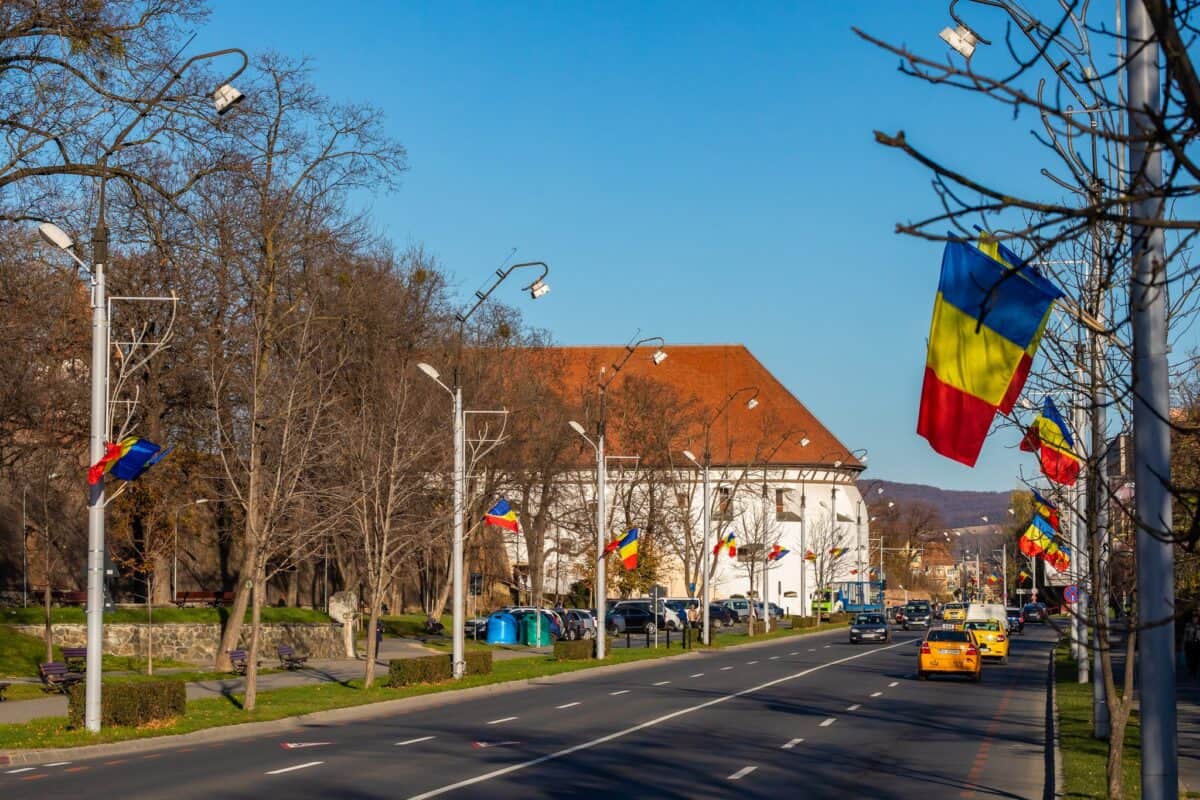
x,y
431,669
131,703
839,617
573,651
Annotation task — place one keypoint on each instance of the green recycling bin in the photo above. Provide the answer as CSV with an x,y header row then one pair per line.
x,y
528,632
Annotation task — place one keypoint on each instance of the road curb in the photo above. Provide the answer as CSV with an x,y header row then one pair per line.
x,y
1053,786
403,705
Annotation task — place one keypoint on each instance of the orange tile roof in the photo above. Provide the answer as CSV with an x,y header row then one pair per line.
x,y
708,374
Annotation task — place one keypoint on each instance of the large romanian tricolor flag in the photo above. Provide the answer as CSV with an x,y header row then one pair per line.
x,y
127,459
502,516
777,552
988,318
1038,537
1049,437
628,549
1046,509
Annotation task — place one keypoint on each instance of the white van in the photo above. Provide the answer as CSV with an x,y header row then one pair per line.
x,y
988,611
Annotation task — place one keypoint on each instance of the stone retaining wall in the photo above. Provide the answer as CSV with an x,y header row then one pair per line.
x,y
197,642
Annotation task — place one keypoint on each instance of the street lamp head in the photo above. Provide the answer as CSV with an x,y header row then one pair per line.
x,y
538,288
752,403
428,370
837,463
201,501
961,38
804,442
891,503
659,356
52,234
575,426
226,97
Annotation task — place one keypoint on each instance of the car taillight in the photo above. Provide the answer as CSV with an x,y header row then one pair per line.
x,y
1000,638
925,651
972,650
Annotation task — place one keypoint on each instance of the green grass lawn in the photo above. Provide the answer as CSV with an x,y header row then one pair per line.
x,y
26,691
1084,758
162,614
21,654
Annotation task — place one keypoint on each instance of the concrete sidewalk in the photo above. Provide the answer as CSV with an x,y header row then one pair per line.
x,y
1187,725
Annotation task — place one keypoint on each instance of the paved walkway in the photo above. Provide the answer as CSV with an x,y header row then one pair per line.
x,y
333,670
1187,707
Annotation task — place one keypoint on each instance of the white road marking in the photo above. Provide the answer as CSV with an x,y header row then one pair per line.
x,y
622,691
414,741
794,653
22,769
502,719
698,675
751,662
58,764
298,766
723,669
812,649
893,684
662,683
876,694
828,722
828,646
792,744
774,658
568,705
496,773
855,707
741,773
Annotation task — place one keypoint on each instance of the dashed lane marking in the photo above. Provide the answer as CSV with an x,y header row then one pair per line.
x,y
828,722
293,769
77,769
828,646
22,769
502,719
620,691
774,658
794,653
723,669
876,694
893,684
855,707
662,683
567,705
114,762
58,764
36,777
153,755
407,742
741,773
792,744
748,663
698,675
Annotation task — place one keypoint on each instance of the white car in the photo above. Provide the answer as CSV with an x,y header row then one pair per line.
x,y
739,607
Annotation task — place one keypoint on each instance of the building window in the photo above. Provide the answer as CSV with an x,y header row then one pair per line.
x,y
780,503
724,502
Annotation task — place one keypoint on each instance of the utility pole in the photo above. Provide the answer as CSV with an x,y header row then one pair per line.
x,y
1151,430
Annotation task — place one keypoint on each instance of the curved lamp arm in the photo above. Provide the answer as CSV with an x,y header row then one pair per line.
x,y
629,348
536,289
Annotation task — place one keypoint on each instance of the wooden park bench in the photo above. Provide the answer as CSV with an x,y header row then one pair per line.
x,y
203,598
56,676
239,659
288,658
76,658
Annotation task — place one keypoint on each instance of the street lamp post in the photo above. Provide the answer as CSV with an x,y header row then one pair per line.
x,y
224,98
537,289
706,514
601,587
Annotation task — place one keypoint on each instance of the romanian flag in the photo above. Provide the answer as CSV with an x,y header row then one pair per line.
x,y
837,552
628,549
1049,437
810,556
731,543
612,546
127,460
1057,556
988,317
1023,576
1046,509
777,553
1037,537
992,580
502,516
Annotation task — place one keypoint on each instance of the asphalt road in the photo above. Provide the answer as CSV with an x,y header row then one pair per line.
x,y
812,714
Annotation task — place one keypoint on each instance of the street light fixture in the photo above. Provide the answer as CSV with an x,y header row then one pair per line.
x,y
601,468
537,289
224,98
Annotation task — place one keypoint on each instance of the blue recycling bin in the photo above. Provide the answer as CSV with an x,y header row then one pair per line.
x,y
501,628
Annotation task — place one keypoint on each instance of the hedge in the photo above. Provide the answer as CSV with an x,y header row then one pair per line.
x,y
574,651
431,669
131,703
803,622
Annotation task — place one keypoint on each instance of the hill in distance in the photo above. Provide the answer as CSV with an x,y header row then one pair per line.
x,y
959,509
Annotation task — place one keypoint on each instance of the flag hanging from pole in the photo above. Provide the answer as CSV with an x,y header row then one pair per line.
x,y
777,552
128,459
502,516
810,556
988,317
628,549
1050,438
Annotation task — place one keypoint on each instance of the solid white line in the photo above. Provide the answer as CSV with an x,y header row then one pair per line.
x,y
828,722
792,744
57,764
22,769
741,773
723,669
414,741
698,675
893,684
502,719
855,707
876,694
751,662
568,705
622,691
487,776
298,766
661,683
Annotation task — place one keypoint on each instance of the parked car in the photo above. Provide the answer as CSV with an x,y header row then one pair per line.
x,y
580,624
868,628
776,611
680,606
633,619
1016,620
740,607
670,618
718,613
1035,612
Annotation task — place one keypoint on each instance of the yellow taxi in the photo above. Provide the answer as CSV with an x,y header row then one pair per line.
x,y
949,650
990,634
954,612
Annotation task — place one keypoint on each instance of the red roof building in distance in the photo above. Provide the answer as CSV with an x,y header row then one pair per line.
x,y
778,475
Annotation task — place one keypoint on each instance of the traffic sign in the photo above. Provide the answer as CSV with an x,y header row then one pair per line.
x,y
1071,593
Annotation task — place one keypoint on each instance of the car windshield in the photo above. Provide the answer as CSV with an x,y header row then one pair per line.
x,y
982,625
868,619
915,609
950,606
948,636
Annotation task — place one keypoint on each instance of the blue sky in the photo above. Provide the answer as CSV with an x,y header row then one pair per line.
x,y
703,172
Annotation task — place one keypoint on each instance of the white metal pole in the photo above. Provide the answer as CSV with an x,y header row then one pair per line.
x,y
705,525
804,607
601,559
24,553
766,575
460,487
175,561
99,433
